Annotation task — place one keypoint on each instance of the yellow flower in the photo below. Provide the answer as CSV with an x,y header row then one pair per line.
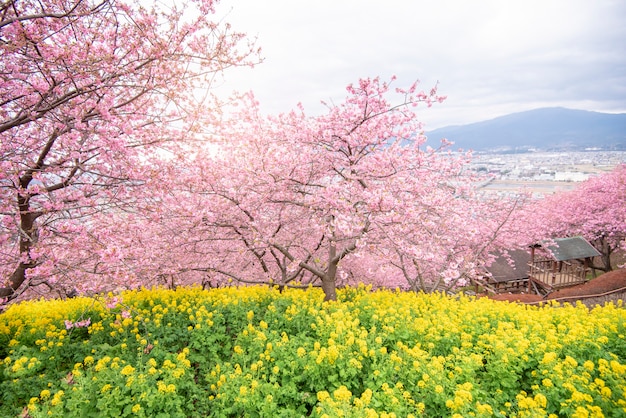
x,y
322,396
541,400
32,404
549,357
366,396
163,388
580,413
333,354
136,408
127,370
56,399
342,394
570,362
482,408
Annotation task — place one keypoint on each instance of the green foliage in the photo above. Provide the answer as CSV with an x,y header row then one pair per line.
x,y
256,352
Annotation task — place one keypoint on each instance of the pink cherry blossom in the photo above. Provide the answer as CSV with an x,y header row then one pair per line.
x,y
94,95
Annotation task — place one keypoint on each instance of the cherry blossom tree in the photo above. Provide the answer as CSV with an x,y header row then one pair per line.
x,y
354,195
595,209
105,182
96,96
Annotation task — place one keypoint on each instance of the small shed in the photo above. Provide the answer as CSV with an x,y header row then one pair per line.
x,y
560,262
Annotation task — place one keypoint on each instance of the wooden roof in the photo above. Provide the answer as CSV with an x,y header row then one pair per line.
x,y
502,271
571,248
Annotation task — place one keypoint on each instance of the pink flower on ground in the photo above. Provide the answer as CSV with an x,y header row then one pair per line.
x,y
112,303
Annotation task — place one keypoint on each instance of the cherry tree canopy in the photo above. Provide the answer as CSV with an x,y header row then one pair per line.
x,y
107,178
596,210
96,95
351,196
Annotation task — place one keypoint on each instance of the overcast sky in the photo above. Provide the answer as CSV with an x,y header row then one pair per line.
x,y
490,57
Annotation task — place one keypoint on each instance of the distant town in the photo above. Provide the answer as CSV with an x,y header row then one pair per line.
x,y
542,173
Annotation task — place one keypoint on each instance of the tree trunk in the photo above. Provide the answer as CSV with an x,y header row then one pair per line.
x,y
606,254
330,291
329,281
605,250
28,236
17,278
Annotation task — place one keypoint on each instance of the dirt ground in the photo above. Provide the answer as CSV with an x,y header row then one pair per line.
x,y
602,284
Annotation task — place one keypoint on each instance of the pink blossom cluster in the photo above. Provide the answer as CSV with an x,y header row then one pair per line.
x,y
95,94
78,324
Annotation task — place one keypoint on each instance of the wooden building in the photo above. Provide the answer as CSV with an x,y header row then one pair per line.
x,y
559,262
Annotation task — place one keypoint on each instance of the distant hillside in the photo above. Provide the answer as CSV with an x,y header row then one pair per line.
x,y
544,129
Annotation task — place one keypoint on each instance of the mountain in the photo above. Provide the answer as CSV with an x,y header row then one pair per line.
x,y
548,129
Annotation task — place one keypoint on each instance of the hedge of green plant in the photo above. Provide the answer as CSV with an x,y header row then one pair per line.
x,y
256,352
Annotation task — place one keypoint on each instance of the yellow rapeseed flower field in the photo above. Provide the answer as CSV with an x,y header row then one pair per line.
x,y
255,351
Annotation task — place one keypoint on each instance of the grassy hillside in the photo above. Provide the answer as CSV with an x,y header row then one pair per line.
x,y
256,352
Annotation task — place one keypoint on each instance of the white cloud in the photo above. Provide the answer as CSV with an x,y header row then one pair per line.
x,y
490,57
